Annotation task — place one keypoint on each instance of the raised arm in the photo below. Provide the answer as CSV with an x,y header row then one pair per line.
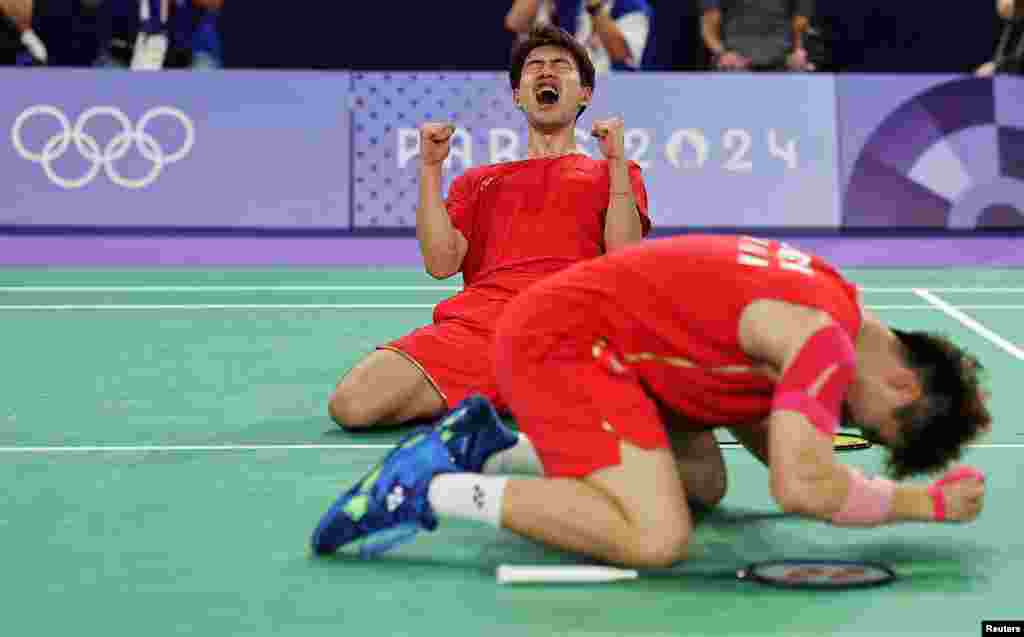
x,y
711,30
442,245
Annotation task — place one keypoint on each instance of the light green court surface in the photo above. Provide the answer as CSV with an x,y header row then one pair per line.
x,y
141,497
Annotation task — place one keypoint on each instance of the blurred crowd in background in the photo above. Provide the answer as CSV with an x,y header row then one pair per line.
x,y
136,34
621,35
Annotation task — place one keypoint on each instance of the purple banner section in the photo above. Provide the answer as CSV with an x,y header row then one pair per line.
x,y
400,252
258,168
174,149
715,149
931,152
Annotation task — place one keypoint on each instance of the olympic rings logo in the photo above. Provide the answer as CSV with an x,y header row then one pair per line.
x,y
104,158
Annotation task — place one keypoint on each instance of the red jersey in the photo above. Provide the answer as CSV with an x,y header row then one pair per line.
x,y
525,220
670,310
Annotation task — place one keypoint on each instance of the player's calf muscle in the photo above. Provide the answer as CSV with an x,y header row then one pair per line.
x,y
604,516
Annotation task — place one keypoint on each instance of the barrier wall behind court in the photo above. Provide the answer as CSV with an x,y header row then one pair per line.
x,y
330,154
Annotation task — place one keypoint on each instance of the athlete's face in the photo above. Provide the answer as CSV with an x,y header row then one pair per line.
x,y
872,402
550,88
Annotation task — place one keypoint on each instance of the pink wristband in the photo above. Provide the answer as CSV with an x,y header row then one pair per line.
x,y
868,502
935,490
938,502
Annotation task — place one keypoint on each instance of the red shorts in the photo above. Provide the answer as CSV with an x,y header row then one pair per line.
x,y
559,378
455,353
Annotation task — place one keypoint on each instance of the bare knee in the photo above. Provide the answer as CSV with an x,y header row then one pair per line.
x,y
657,547
384,388
348,412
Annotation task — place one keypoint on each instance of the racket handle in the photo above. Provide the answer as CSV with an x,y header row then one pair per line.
x,y
510,574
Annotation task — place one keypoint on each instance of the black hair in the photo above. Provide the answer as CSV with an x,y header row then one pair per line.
x,y
950,412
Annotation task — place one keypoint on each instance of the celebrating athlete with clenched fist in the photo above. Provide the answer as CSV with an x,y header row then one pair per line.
x,y
503,227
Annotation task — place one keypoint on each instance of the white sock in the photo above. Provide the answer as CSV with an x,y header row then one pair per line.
x,y
519,459
468,496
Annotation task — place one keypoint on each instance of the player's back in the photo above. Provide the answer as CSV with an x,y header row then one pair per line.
x,y
709,280
672,308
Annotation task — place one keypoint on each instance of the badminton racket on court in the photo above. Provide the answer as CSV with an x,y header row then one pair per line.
x,y
798,574
841,442
850,442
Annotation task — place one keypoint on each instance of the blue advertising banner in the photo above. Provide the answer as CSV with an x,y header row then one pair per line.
x,y
174,149
717,150
936,152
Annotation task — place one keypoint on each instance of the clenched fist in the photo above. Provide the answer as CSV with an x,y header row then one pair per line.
x,y
963,493
798,61
611,134
435,142
732,61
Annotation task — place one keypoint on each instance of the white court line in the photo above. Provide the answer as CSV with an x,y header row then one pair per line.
x,y
972,324
284,447
361,306
933,308
974,290
178,448
379,288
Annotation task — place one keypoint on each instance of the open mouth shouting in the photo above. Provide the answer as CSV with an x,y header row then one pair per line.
x,y
547,94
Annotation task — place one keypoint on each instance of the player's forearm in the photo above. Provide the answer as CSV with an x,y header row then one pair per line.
x,y
911,503
612,38
622,224
800,25
521,15
710,31
815,491
826,496
434,229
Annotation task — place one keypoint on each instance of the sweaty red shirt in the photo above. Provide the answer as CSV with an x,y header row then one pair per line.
x,y
670,310
525,220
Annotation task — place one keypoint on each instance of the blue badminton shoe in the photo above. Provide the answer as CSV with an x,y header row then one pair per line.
x,y
389,506
473,432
